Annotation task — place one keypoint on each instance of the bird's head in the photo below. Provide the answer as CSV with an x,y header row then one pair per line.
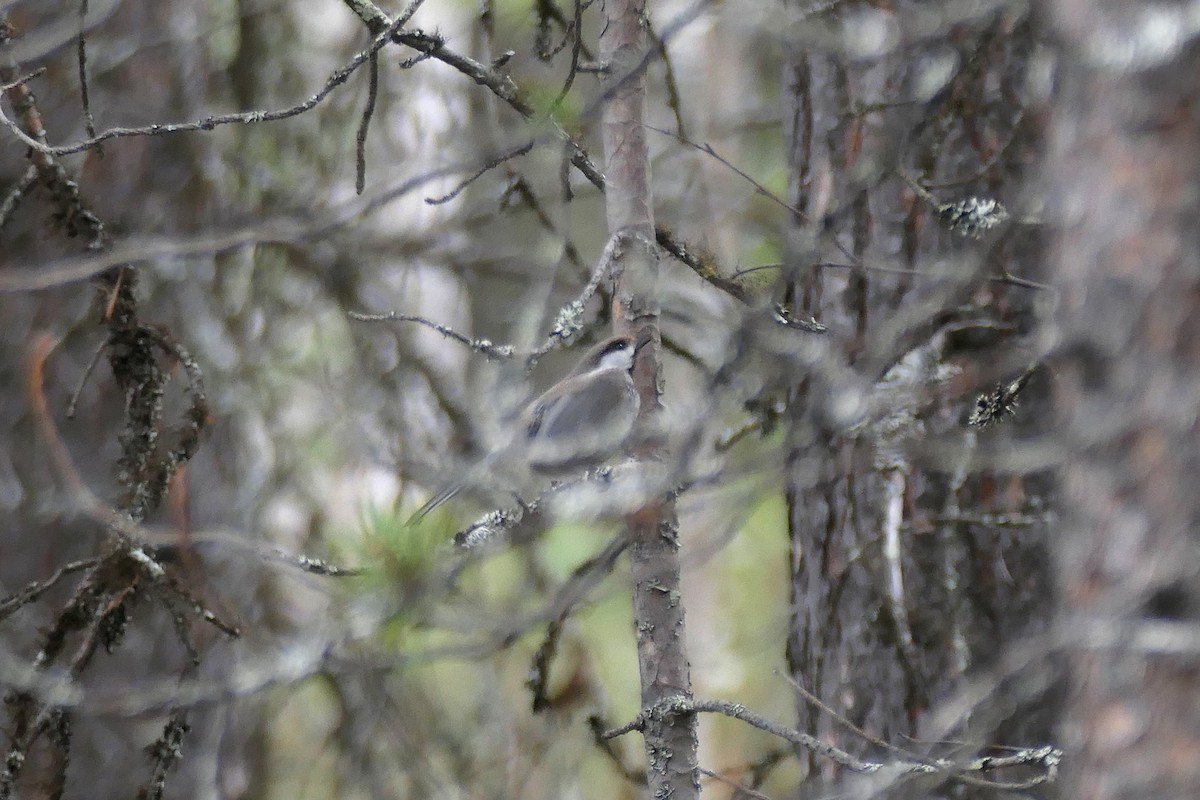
x,y
615,352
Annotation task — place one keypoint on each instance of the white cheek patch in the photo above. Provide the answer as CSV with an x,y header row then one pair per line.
x,y
617,359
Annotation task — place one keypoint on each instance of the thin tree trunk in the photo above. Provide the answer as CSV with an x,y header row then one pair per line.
x,y
670,737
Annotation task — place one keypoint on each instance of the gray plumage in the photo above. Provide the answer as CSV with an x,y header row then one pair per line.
x,y
581,422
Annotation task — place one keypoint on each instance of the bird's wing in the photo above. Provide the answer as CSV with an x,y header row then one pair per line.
x,y
582,419
578,403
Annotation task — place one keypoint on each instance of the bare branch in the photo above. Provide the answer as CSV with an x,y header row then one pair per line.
x,y
1048,758
81,58
490,164
485,346
360,176
335,80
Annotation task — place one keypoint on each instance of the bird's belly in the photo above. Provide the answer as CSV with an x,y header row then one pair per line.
x,y
551,457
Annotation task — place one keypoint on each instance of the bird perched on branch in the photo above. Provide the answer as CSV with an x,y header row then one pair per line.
x,y
578,423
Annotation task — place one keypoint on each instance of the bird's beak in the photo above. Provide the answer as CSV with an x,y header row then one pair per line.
x,y
644,337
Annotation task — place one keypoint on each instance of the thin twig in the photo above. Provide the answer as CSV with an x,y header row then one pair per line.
x,y
812,699
364,124
16,194
81,56
36,589
707,149
597,727
87,373
895,596
316,566
520,187
539,671
738,788
160,249
490,164
1006,278
335,80
507,90
673,97
617,84
548,11
577,44
22,80
198,608
1046,757
569,320
485,346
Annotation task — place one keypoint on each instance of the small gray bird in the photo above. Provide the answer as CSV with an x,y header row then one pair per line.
x,y
579,422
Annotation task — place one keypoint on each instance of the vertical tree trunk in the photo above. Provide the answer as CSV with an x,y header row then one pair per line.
x,y
1125,167
670,738
899,583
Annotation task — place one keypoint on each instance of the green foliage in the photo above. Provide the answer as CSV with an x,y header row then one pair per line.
x,y
398,554
543,96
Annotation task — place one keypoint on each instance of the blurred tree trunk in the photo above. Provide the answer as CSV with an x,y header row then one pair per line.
x,y
1125,166
884,625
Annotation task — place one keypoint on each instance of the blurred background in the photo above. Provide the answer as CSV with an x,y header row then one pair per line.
x,y
835,163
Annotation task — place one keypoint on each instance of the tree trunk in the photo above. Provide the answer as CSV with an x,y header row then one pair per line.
x,y
900,586
1125,166
670,737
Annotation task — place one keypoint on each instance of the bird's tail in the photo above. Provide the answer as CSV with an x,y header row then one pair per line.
x,y
434,502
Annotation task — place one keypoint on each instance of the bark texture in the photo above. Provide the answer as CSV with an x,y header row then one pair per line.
x,y
902,584
670,735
